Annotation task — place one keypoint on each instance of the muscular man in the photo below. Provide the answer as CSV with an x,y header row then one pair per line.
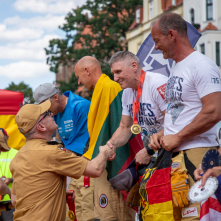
x,y
39,169
127,72
70,113
103,119
148,113
193,94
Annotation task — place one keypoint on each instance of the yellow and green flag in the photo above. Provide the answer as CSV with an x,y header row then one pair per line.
x,y
103,119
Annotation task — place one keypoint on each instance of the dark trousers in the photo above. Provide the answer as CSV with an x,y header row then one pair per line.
x,y
7,215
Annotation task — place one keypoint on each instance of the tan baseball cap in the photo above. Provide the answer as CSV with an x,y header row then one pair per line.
x,y
3,143
28,115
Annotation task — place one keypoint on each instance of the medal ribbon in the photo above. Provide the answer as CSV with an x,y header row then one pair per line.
x,y
71,206
137,104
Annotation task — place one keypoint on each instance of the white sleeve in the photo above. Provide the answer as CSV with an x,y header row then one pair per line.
x,y
158,92
125,110
206,78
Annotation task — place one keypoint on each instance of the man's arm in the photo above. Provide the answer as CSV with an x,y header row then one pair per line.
x,y
204,120
123,132
13,199
121,137
96,166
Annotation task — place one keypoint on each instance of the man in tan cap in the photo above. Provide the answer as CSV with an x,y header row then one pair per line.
x,y
39,169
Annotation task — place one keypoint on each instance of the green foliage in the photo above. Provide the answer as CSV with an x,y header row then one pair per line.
x,y
25,89
108,26
71,85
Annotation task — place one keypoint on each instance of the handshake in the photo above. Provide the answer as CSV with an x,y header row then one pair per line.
x,y
109,151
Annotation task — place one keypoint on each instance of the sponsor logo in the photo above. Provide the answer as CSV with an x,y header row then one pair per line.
x,y
215,80
188,212
161,90
175,165
103,201
68,121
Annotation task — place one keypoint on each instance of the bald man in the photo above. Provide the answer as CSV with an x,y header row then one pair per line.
x,y
103,119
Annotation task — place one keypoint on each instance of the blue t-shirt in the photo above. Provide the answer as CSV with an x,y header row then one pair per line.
x,y
72,123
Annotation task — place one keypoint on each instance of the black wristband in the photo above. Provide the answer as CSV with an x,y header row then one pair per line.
x,y
150,151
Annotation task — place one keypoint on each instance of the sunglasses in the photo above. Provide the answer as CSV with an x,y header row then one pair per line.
x,y
3,131
47,113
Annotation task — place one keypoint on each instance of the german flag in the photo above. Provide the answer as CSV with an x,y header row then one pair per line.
x,y
10,103
103,119
155,191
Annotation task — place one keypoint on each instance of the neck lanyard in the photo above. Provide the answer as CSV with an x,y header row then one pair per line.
x,y
136,129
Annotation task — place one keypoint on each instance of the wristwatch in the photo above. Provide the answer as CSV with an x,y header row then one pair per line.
x,y
150,151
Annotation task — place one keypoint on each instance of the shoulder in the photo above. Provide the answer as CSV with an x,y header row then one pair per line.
x,y
200,60
75,99
127,92
110,84
155,80
76,102
13,151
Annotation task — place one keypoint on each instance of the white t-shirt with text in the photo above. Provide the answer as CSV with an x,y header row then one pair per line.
x,y
191,79
152,103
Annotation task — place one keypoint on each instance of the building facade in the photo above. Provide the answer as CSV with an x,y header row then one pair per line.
x,y
204,15
141,27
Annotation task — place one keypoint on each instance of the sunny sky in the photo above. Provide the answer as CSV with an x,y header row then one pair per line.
x,y
26,26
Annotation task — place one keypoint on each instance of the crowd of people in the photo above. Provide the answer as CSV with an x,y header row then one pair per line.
x,y
175,114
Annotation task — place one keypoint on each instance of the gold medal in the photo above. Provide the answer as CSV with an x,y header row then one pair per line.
x,y
135,129
71,215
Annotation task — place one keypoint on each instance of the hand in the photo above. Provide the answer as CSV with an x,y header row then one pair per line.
x,y
198,171
109,152
215,171
7,181
70,192
170,142
142,157
110,144
8,192
155,141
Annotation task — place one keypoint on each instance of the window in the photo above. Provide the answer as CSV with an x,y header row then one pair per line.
x,y
218,53
192,16
174,2
138,16
202,48
209,10
150,9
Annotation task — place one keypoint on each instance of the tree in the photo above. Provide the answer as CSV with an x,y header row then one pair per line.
x,y
100,36
25,89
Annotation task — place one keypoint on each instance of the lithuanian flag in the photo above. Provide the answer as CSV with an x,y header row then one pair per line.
x,y
103,119
10,103
155,191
